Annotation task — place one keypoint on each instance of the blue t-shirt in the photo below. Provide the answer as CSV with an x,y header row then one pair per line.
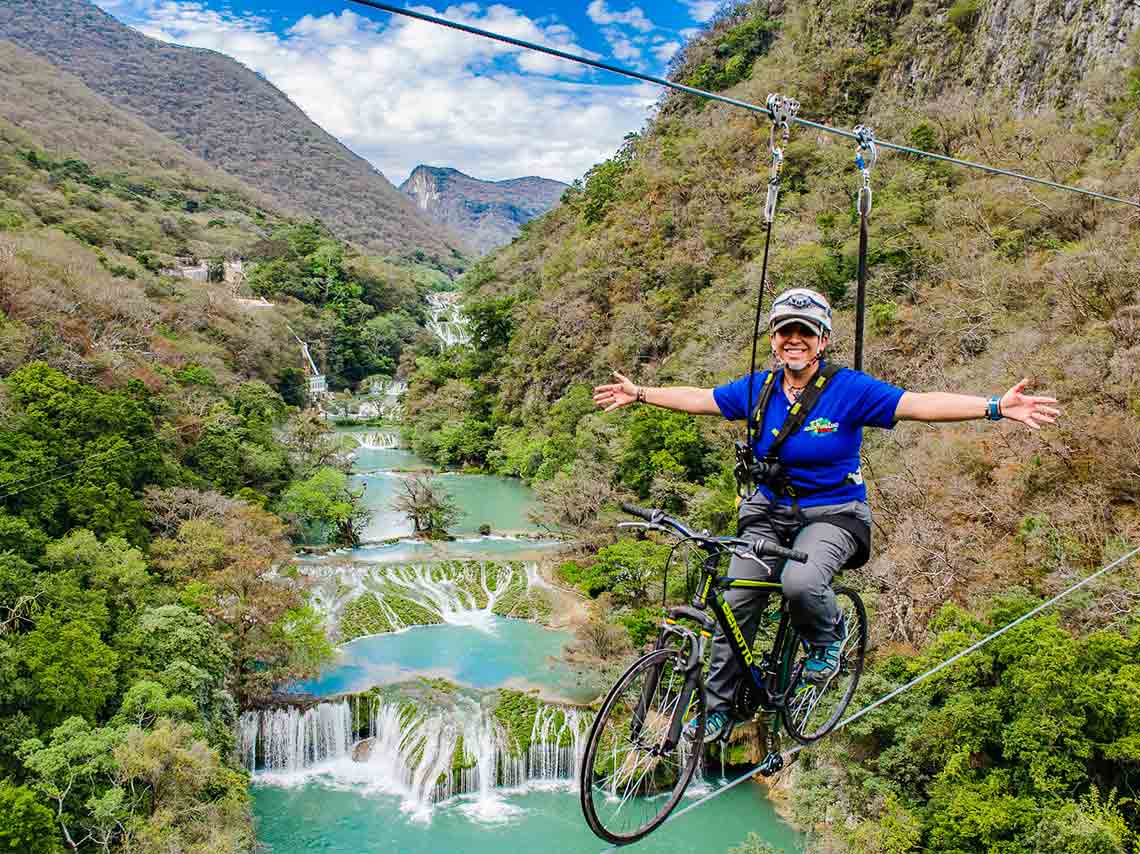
x,y
825,450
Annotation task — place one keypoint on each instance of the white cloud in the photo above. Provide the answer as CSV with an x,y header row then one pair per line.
x,y
402,92
621,46
664,51
601,14
702,10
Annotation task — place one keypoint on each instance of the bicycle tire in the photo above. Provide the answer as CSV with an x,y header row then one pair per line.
x,y
602,772
802,700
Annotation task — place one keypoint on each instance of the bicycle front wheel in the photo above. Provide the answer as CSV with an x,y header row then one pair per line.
x,y
633,774
811,711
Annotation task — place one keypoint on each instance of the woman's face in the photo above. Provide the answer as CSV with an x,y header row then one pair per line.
x,y
797,345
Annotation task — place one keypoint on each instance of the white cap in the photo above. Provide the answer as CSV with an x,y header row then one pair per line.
x,y
801,305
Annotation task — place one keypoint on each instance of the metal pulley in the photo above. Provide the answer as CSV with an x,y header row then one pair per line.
x,y
782,110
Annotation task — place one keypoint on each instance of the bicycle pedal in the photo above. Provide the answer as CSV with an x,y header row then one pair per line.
x,y
772,763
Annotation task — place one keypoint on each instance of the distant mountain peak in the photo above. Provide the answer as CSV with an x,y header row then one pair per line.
x,y
486,214
231,117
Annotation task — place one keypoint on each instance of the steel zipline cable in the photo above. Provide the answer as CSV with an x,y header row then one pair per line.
x,y
922,677
724,99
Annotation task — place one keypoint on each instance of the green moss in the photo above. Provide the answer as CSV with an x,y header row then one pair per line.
x,y
515,711
964,15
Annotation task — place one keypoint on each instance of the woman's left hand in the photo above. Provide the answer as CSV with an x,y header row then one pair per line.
x,y
1029,410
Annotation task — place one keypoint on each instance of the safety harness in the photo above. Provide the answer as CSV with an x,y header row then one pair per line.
x,y
769,471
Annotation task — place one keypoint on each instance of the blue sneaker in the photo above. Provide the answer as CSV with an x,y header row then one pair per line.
x,y
716,725
823,661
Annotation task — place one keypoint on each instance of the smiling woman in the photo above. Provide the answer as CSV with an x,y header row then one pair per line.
x,y
801,480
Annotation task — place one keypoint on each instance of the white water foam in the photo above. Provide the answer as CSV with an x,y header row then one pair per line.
x,y
446,320
379,441
434,587
409,754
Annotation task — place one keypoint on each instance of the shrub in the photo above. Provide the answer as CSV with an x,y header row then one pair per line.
x,y
964,15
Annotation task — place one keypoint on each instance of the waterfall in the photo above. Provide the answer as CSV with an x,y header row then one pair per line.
x,y
446,321
422,757
290,739
459,593
379,441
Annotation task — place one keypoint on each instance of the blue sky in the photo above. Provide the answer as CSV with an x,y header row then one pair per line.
x,y
402,92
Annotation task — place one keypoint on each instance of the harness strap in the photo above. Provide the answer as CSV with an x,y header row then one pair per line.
x,y
800,410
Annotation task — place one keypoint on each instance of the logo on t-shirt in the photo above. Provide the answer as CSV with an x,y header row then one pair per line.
x,y
821,426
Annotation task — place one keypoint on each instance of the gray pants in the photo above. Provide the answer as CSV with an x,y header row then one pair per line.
x,y
807,587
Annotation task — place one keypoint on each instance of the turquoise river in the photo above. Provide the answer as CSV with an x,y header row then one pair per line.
x,y
317,787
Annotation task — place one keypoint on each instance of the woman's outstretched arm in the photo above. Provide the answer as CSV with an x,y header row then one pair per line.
x,y
941,406
697,401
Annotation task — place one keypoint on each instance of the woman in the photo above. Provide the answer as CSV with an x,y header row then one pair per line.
x,y
810,489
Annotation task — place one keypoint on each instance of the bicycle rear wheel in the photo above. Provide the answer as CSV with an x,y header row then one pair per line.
x,y
811,711
629,781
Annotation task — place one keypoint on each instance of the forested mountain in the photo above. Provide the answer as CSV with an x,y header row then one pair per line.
x,y
651,265
231,117
155,465
486,214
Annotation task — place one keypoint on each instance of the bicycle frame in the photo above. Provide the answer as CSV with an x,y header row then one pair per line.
x,y
707,598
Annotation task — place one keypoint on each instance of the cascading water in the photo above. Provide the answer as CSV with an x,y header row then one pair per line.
x,y
463,594
380,441
424,758
446,320
291,739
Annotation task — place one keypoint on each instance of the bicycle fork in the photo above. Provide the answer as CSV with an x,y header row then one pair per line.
x,y
692,670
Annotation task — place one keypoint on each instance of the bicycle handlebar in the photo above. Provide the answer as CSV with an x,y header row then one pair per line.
x,y
632,510
760,548
766,548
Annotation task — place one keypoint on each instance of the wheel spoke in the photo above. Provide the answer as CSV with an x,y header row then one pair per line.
x,y
813,711
629,784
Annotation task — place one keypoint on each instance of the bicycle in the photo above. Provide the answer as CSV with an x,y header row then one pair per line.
x,y
637,763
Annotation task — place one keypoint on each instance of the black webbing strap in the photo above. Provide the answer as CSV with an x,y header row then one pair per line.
x,y
800,410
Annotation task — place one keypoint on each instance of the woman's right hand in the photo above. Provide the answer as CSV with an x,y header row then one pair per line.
x,y
615,395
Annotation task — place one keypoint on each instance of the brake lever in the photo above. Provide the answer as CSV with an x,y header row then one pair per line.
x,y
644,526
748,554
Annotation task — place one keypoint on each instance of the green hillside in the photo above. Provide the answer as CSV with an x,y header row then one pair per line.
x,y
651,266
156,466
233,118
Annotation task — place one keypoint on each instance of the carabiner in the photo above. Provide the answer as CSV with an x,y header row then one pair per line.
x,y
865,139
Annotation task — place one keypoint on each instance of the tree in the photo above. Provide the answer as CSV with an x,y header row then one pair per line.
x,y
26,825
56,422
69,668
754,845
75,772
248,592
112,569
292,387
431,510
658,440
325,503
312,445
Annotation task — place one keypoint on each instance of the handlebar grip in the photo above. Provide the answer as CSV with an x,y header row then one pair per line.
x,y
766,548
637,511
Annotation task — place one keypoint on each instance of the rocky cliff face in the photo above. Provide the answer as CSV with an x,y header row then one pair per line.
x,y
1031,54
485,214
230,117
